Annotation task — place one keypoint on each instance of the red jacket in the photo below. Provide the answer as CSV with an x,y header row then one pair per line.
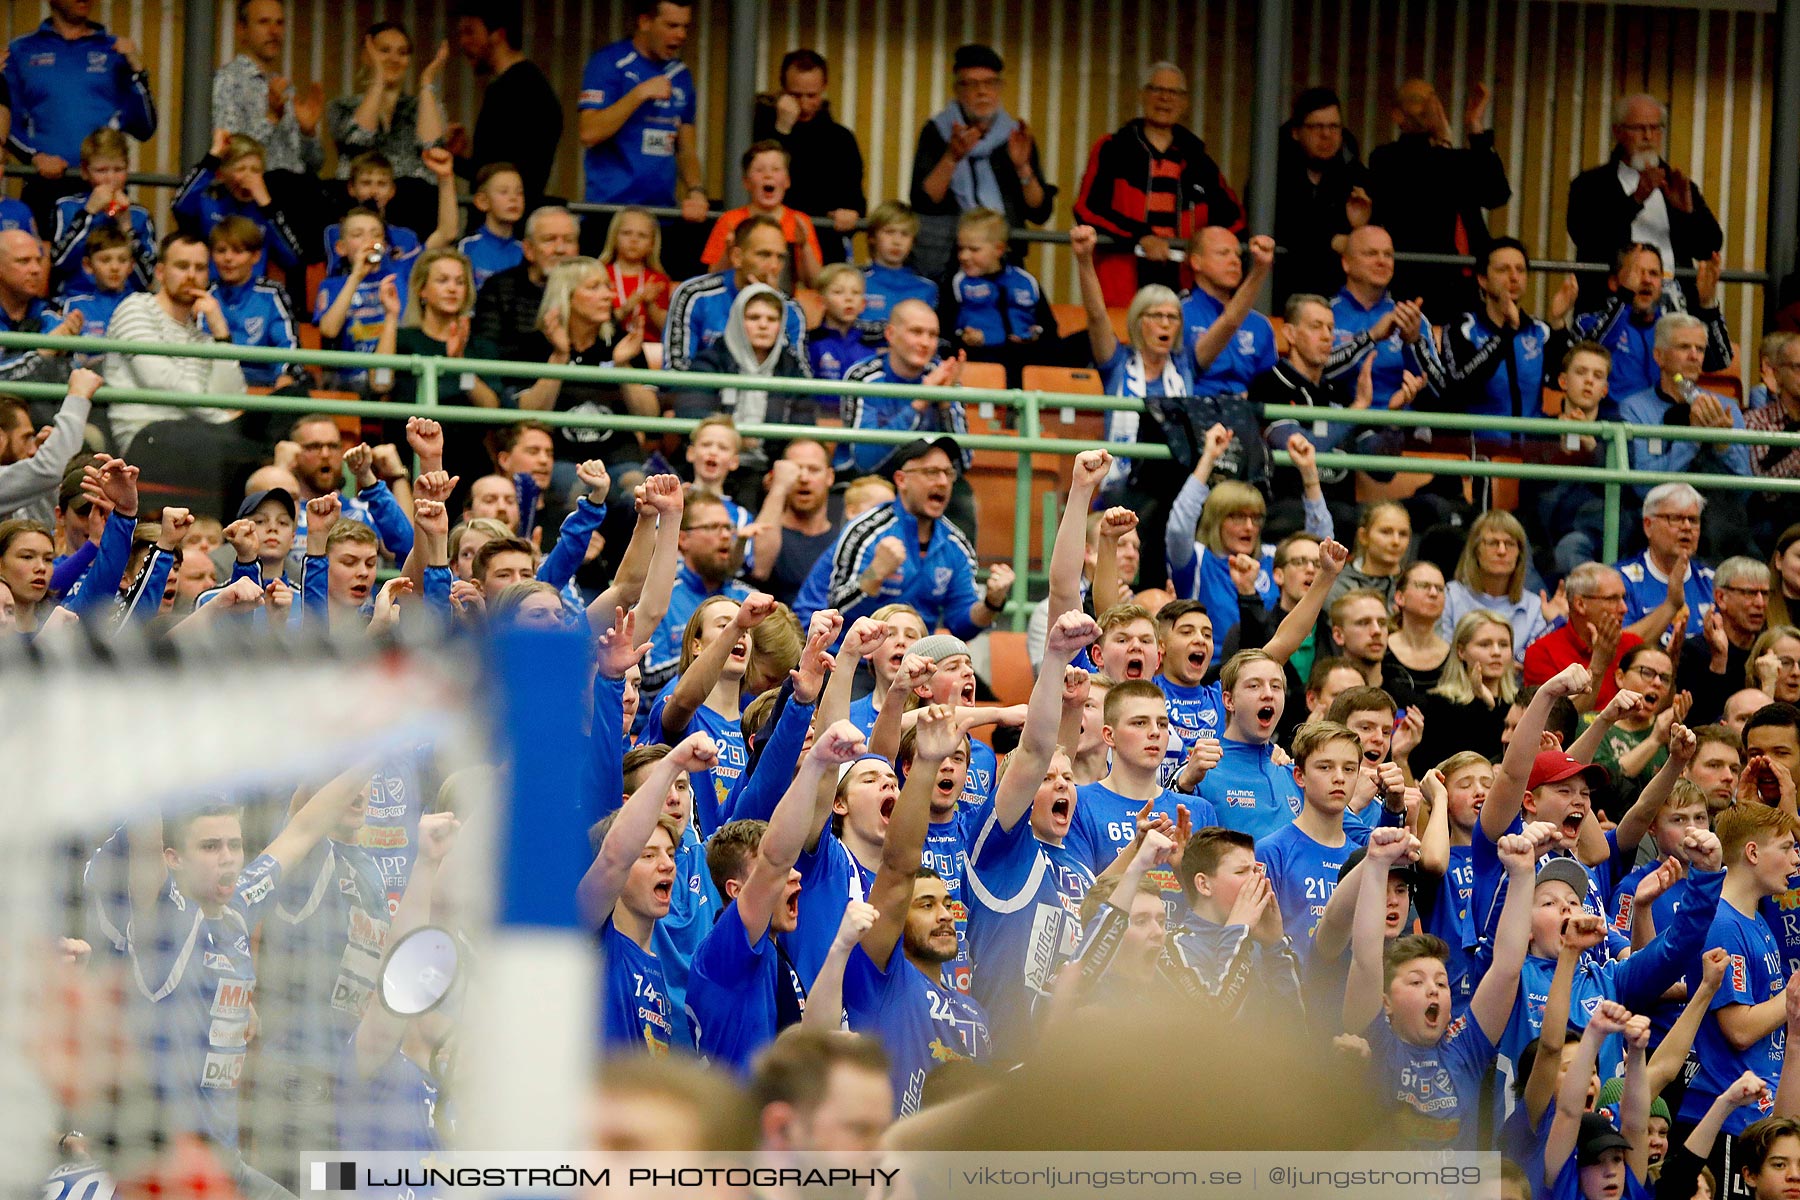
x,y
1132,189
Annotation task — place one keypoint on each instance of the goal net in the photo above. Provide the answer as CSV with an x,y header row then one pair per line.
x,y
207,864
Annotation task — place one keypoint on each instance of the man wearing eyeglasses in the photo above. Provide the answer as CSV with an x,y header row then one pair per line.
x,y
1668,576
1637,196
1740,610
1150,183
1593,636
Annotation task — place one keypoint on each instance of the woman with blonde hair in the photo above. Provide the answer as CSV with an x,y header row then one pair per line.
x,y
1467,709
1491,575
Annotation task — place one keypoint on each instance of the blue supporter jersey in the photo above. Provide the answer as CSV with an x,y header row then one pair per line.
x,y
1024,923
686,595
321,953
863,714
1248,792
62,89
920,1023
1393,356
830,877
259,315
637,1014
202,204
1434,1091
1249,353
1304,873
884,287
68,245
362,323
937,580
984,771
1495,373
1104,823
740,995
396,1110
832,353
1452,918
96,309
1491,887
86,1180
1754,973
1646,588
947,852
1001,307
637,165
1194,712
195,981
881,412
1206,577
15,215
489,253
713,785
1782,913
693,905
698,310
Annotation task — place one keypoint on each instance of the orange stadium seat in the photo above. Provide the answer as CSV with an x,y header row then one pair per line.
x,y
1009,667
1070,318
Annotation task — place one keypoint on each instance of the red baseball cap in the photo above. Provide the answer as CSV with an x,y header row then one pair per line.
x,y
1554,766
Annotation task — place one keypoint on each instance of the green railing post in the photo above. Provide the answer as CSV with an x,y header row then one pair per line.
x,y
1022,514
1618,457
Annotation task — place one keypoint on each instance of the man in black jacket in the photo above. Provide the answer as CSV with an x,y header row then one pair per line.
x,y
1432,195
824,161
521,120
1148,184
1318,182
1638,196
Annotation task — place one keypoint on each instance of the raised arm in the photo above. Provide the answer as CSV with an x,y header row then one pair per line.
x,y
318,816
904,845
1362,990
697,682
766,543
664,496
1634,1100
1297,624
825,1002
1218,335
1671,1055
1623,704
1070,548
1110,590
788,826
1579,932
1492,1003
380,1031
1634,826
631,828
1101,339
1037,742
890,722
1607,1019
1507,798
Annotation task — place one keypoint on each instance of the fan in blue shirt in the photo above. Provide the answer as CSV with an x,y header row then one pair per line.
x,y
892,984
893,227
1243,342
637,114
744,988
1136,727
228,182
1304,860
705,695
1025,881
499,194
1585,1158
1672,514
910,358
1429,1057
626,891
352,308
68,78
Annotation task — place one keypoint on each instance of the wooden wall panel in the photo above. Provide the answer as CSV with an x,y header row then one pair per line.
x,y
1074,66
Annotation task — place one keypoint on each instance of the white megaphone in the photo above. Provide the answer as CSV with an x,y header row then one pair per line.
x,y
421,969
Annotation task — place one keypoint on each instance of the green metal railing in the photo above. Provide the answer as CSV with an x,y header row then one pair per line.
x,y
1028,439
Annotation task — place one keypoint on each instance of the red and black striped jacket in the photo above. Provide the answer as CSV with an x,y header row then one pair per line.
x,y
1133,190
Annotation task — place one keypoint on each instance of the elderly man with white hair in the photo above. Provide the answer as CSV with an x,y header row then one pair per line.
x,y
1667,575
1150,183
1638,196
1680,352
